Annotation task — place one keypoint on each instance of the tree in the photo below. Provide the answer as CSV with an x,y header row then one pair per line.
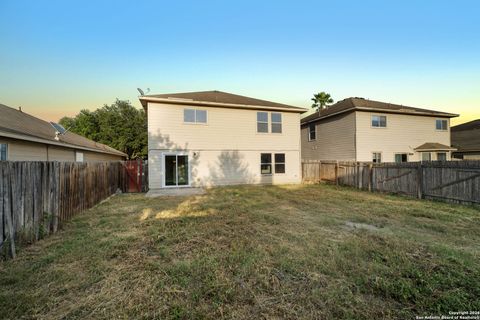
x,y
119,125
321,100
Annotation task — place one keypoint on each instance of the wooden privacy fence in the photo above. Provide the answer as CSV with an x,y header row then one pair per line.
x,y
35,197
453,181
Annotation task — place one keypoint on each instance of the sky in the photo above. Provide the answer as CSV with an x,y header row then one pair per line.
x,y
58,57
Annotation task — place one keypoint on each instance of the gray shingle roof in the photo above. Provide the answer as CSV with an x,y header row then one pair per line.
x,y
466,136
353,104
20,123
432,146
222,97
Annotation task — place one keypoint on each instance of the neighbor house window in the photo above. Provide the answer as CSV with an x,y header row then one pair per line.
x,y
376,157
441,156
401,157
266,163
441,124
194,116
276,122
426,156
262,122
78,156
379,121
312,133
279,162
3,151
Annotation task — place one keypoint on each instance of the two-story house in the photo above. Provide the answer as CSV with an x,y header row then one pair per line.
x,y
357,129
217,138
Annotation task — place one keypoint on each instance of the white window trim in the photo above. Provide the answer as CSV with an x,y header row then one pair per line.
x,y
257,122
381,156
395,154
441,130
445,152
308,132
6,151
195,113
272,168
271,122
284,163
421,156
189,170
378,115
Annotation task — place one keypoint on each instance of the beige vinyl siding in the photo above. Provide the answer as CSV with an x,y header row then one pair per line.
x,y
226,128
471,157
60,154
402,134
335,139
214,168
20,150
89,156
225,150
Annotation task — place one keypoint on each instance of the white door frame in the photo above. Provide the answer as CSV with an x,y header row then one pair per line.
x,y
176,169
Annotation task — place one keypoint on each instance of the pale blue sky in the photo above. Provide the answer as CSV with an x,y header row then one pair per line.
x,y
57,57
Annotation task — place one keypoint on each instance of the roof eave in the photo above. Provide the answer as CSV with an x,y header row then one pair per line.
x,y
427,114
218,104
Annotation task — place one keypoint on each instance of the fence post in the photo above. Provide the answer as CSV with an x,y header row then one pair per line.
x,y
336,172
420,181
370,176
319,171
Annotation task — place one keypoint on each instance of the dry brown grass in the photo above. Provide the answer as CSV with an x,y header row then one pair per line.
x,y
251,252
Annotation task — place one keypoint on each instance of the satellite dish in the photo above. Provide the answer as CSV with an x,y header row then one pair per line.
x,y
141,91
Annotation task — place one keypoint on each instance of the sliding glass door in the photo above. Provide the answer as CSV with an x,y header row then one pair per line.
x,y
176,170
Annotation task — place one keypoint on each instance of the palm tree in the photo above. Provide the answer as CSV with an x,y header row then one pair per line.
x,y
321,100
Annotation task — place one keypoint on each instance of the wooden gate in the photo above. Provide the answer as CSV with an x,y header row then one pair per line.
x,y
136,175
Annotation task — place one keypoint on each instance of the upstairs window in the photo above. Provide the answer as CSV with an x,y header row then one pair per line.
x,y
194,116
266,163
379,121
441,124
312,133
3,151
262,122
376,157
276,122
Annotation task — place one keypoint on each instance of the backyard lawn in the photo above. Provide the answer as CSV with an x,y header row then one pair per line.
x,y
308,251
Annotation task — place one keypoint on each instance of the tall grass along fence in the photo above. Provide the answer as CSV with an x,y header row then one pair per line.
x,y
452,181
36,197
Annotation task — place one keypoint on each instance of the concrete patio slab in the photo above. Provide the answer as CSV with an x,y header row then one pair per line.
x,y
174,192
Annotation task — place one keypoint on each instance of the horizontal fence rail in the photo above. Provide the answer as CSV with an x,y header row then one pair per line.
x,y
452,181
36,197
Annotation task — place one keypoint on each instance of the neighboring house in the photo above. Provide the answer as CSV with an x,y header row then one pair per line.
x,y
466,138
217,138
357,129
26,138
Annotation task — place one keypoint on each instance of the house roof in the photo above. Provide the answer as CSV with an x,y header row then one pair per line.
x,y
20,125
361,104
466,136
472,125
217,99
433,146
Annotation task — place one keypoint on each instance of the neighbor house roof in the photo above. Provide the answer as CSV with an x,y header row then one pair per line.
x,y
466,136
433,146
361,104
20,125
217,99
